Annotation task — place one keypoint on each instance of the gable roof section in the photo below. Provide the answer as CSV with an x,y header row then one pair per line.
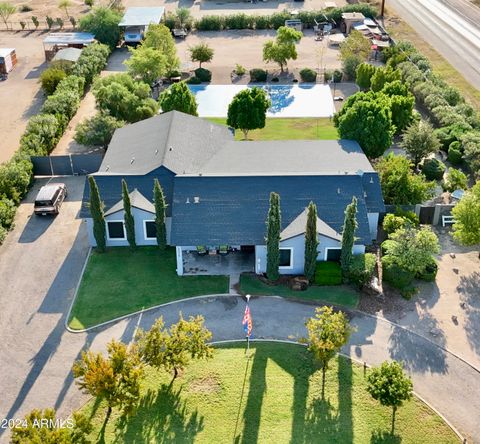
x,y
178,141
137,200
233,210
292,157
297,227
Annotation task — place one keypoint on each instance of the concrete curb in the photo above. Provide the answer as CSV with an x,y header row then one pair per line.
x,y
358,361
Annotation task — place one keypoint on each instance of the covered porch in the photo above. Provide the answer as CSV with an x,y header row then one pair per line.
x,y
233,263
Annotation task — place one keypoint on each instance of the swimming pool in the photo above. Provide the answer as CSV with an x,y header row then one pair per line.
x,y
287,100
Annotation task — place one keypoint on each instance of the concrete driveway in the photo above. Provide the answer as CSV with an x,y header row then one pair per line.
x,y
40,265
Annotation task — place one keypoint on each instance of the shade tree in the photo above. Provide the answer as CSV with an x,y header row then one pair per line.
x,y
283,48
328,331
419,140
201,53
178,97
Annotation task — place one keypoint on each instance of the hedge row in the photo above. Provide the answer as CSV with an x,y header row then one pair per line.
x,y
44,130
273,21
454,119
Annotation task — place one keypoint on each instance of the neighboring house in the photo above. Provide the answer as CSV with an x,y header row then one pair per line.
x,y
218,189
136,20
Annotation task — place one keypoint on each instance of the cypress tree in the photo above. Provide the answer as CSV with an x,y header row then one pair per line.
x,y
348,237
311,242
96,210
273,237
160,208
129,222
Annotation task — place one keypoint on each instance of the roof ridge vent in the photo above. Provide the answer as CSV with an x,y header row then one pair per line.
x,y
188,200
170,149
196,199
156,151
338,190
132,160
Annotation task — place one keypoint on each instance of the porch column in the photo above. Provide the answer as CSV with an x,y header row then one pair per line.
x,y
179,261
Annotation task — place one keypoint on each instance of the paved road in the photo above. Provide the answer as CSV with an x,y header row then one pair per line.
x,y
451,27
40,265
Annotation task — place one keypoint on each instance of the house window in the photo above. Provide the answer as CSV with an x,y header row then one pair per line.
x,y
150,229
115,230
286,257
333,254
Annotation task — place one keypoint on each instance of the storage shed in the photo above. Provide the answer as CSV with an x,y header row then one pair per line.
x,y
136,20
8,60
56,41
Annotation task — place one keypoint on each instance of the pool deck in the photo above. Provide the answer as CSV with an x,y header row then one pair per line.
x,y
288,101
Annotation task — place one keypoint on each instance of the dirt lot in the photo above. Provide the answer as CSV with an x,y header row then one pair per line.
x,y
20,95
446,311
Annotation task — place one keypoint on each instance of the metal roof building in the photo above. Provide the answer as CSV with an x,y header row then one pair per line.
x,y
142,16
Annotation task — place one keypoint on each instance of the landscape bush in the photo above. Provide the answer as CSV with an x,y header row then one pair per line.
x,y
397,277
91,61
194,81
362,269
204,75
273,21
239,70
337,76
7,212
328,273
430,272
308,75
400,219
455,180
50,78
258,75
455,156
433,169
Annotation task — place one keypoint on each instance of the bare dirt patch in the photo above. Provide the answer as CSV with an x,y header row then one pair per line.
x,y
205,384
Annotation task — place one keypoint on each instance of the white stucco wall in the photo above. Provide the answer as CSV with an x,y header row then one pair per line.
x,y
298,253
139,217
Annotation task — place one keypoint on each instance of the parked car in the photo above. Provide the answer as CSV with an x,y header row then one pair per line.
x,y
50,198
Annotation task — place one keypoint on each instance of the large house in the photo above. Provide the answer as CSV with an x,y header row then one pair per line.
x,y
218,189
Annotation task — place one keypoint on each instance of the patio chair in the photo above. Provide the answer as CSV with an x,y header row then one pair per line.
x,y
201,250
223,250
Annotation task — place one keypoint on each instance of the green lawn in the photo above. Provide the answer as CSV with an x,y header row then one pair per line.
x,y
290,129
119,282
280,402
338,295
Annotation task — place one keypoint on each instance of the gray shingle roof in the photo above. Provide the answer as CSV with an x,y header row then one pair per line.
x,y
297,227
233,210
291,157
180,142
137,200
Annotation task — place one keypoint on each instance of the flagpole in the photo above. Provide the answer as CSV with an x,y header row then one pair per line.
x,y
248,336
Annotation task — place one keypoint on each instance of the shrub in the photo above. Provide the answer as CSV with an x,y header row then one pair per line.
x,y
455,145
25,8
308,75
430,272
203,74
237,21
3,234
91,61
7,212
433,169
210,23
15,178
46,128
400,219
362,269
239,70
337,76
455,156
194,81
350,65
258,75
103,22
278,19
397,277
455,180
328,273
262,22
50,78
327,75
97,130
445,138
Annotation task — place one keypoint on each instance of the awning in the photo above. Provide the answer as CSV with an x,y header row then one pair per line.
x,y
142,16
69,38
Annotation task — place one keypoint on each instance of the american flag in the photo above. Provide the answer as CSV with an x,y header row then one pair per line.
x,y
247,322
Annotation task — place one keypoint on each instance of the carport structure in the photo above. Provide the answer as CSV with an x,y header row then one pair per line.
x,y
136,20
56,41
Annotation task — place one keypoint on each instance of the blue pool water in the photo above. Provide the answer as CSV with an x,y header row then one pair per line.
x,y
287,100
